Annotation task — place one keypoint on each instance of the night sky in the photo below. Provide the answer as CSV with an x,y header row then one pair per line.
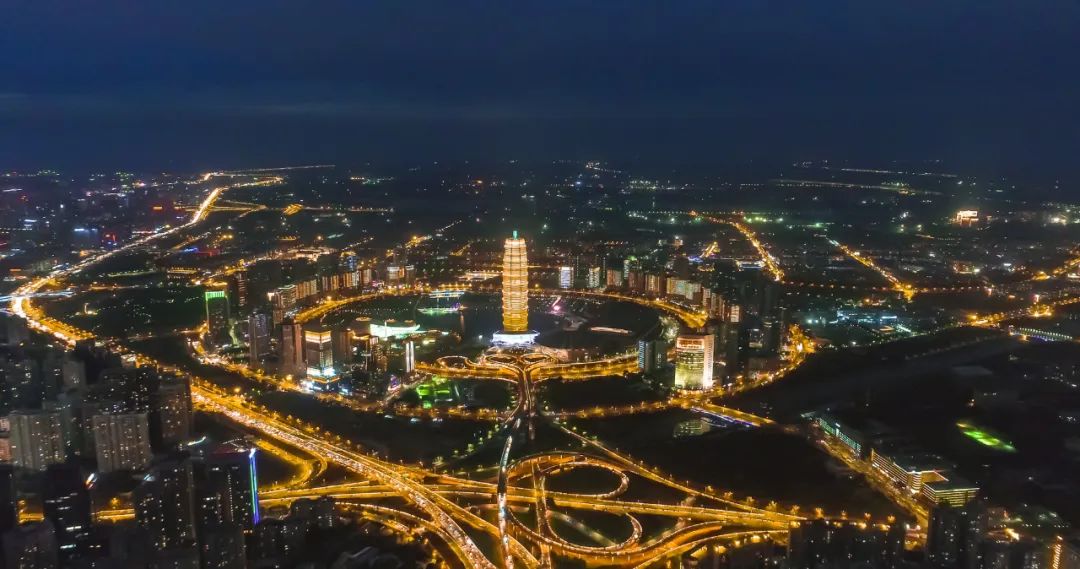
x,y
991,86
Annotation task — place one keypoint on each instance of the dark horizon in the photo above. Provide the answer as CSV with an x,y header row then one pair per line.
x,y
988,87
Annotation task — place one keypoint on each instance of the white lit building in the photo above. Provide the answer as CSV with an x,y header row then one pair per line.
x,y
319,349
694,361
566,277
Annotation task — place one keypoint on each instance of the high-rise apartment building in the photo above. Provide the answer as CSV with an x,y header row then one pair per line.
x,y
37,439
228,487
122,441
172,412
164,505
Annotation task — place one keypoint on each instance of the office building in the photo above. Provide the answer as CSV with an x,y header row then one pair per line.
x,y
924,475
122,441
259,326
694,361
37,439
852,439
731,342
319,352
652,355
238,289
217,316
950,489
342,349
292,349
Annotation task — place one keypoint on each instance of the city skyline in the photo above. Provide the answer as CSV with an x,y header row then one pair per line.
x,y
540,285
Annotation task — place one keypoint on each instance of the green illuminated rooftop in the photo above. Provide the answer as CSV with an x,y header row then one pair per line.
x,y
985,438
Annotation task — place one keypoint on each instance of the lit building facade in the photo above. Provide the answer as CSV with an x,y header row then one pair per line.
x,y
566,277
652,355
228,487
292,349
410,356
515,286
259,326
217,315
694,361
613,278
319,348
173,410
37,439
122,441
165,507
593,279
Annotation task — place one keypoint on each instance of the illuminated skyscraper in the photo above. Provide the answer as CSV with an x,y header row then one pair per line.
x,y
694,361
319,349
566,277
259,325
217,315
410,356
515,286
292,348
652,355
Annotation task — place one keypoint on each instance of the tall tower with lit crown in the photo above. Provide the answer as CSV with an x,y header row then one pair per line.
x,y
515,286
